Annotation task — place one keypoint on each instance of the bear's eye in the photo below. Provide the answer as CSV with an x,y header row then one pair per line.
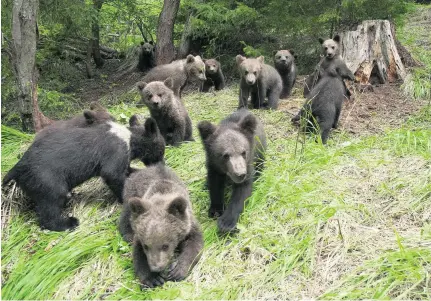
x,y
326,48
165,247
254,72
279,57
145,247
246,72
159,95
333,47
226,156
243,154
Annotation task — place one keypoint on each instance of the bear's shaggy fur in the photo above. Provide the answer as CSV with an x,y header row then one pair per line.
x,y
157,217
147,57
331,63
322,108
214,76
284,62
168,111
62,159
233,150
191,68
260,80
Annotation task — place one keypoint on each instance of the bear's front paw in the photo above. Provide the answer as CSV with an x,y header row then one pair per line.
x,y
152,281
215,212
72,223
227,223
176,272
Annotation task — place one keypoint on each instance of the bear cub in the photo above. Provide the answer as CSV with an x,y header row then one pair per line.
x,y
191,68
214,76
147,56
331,63
260,80
284,62
157,218
66,157
233,150
168,111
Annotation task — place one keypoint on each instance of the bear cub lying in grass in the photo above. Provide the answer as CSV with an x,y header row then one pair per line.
x,y
157,217
63,158
233,150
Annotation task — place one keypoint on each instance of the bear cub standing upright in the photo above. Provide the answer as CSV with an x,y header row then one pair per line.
x,y
168,110
260,80
284,62
157,217
214,76
66,157
233,150
330,63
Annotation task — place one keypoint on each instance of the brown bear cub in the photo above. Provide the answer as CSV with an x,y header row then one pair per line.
x,y
147,56
214,76
66,157
157,218
168,110
284,62
233,150
191,68
260,80
330,63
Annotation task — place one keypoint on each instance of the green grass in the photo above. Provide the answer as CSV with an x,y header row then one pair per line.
x,y
349,220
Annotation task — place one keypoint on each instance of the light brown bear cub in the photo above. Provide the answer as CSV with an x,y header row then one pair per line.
x,y
260,80
157,217
167,109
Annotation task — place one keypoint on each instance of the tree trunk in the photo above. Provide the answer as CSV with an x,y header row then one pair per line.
x,y
96,34
23,55
184,49
371,53
165,51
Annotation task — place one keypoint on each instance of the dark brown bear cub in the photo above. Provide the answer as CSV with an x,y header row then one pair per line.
x,y
157,217
147,56
168,110
63,159
233,150
214,76
260,80
284,62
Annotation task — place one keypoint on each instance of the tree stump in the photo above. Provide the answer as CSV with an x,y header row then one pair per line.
x,y
371,53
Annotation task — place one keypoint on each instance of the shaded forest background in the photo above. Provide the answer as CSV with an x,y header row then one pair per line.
x,y
218,29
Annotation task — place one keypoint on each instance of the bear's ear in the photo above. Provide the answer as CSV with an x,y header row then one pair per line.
x,y
142,43
169,82
291,51
134,121
198,57
96,106
261,59
206,129
336,38
136,206
248,124
239,59
178,207
151,126
151,43
321,40
141,85
90,117
190,59
274,52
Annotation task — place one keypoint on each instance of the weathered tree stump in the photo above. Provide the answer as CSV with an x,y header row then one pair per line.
x,y
371,53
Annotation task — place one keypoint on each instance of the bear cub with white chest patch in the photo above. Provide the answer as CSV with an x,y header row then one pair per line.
x,y
64,158
157,218
168,111
233,150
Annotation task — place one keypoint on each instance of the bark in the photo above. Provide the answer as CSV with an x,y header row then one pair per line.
x,y
185,39
165,51
96,34
23,54
371,53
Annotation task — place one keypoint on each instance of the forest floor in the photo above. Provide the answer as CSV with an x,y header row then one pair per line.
x,y
350,220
